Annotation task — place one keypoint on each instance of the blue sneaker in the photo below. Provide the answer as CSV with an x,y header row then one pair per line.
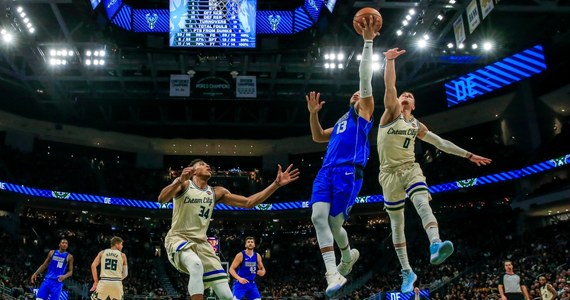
x,y
408,279
440,251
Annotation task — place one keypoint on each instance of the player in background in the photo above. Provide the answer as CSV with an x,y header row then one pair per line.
x,y
109,285
246,266
547,291
401,177
193,202
340,178
59,265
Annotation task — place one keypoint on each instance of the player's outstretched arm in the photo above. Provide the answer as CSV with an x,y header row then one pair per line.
x,y
42,267
314,105
177,186
283,178
365,107
448,147
391,105
235,264
96,262
69,272
260,266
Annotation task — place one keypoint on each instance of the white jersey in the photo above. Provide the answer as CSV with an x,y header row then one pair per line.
x,y
545,294
111,265
191,214
396,142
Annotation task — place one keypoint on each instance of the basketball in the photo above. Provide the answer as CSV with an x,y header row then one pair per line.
x,y
366,13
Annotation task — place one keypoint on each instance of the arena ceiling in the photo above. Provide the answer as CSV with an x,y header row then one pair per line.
x,y
131,92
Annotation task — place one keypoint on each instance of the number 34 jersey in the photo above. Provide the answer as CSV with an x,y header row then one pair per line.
x,y
396,142
191,213
111,265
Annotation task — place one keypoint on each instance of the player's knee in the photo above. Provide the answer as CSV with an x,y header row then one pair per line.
x,y
319,217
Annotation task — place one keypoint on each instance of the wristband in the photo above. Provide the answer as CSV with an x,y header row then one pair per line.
x,y
470,155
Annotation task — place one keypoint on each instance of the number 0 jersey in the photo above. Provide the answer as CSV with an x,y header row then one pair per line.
x,y
111,265
191,214
349,144
396,142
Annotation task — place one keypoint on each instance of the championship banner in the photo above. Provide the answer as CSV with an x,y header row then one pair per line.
x,y
486,7
246,87
459,31
212,86
473,16
179,85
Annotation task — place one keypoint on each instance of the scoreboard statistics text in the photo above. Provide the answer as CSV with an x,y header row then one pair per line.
x,y
213,23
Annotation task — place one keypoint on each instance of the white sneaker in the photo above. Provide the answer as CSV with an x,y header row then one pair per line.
x,y
335,281
344,268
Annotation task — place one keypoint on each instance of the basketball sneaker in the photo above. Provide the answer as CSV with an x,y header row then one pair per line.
x,y
408,279
344,268
440,251
334,282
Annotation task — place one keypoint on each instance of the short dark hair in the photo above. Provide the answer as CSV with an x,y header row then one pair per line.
x,y
506,261
116,240
250,238
195,161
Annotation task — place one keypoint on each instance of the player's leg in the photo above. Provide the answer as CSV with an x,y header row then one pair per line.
x,y
321,205
418,192
253,293
43,291
55,290
394,202
347,184
238,291
222,290
193,265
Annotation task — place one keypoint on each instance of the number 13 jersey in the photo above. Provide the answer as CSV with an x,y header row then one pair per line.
x,y
396,143
191,213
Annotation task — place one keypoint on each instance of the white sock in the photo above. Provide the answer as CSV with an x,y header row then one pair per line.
x,y
433,234
330,261
403,257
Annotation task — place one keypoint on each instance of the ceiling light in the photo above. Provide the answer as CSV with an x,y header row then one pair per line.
x,y
19,9
359,57
487,46
426,36
460,46
474,46
405,23
408,17
422,44
412,11
450,45
340,56
375,57
440,17
399,32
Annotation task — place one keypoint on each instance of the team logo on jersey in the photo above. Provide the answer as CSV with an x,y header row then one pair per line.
x,y
274,21
151,20
209,192
414,125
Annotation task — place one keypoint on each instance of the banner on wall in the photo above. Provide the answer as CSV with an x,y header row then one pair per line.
x,y
246,87
486,7
459,31
179,85
473,16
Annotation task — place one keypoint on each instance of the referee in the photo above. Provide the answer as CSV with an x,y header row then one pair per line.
x,y
510,286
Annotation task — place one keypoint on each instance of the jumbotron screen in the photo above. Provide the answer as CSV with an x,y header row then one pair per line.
x,y
212,23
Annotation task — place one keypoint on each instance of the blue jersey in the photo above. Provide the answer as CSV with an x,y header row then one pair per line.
x,y
349,143
58,265
248,267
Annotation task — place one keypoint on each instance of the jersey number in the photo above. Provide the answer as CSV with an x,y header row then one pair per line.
x,y
111,264
407,143
253,270
341,127
204,213
59,264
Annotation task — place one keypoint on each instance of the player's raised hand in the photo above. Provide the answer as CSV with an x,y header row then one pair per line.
x,y
393,53
480,160
368,27
286,177
314,104
186,174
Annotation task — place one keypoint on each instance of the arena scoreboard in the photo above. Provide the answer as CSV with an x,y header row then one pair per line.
x,y
213,23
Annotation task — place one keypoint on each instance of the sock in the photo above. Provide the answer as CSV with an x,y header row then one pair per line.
x,y
330,261
403,257
433,234
346,254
